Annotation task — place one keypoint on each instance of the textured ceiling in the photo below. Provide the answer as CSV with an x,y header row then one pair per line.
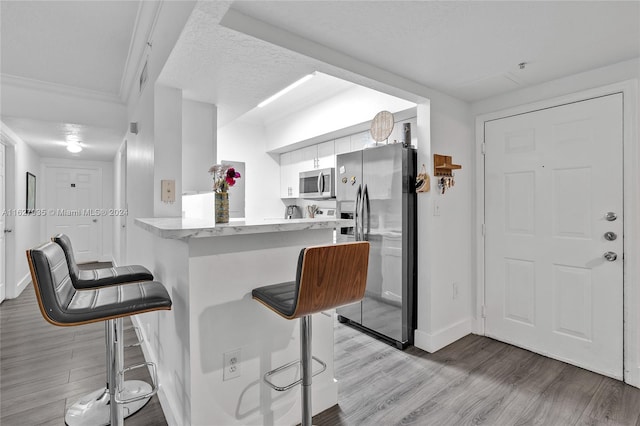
x,y
81,44
470,50
214,64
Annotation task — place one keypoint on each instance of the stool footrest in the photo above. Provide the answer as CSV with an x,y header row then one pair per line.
x,y
286,367
154,383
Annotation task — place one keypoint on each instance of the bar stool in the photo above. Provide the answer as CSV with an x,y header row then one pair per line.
x,y
327,277
94,408
62,305
92,278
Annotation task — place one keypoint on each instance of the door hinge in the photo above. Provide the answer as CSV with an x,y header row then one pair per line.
x,y
484,229
483,148
483,311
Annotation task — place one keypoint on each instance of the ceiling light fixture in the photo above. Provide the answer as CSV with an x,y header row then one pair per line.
x,y
286,90
74,147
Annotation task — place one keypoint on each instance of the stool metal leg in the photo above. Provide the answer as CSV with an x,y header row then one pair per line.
x,y
115,365
94,409
305,358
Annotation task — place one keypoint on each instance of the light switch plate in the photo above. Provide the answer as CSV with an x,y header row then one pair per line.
x,y
168,191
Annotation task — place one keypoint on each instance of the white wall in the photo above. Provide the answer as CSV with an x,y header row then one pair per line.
x,y
26,229
243,141
353,106
199,142
167,160
445,241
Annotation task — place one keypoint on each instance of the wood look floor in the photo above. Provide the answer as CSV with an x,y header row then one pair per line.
x,y
45,368
474,381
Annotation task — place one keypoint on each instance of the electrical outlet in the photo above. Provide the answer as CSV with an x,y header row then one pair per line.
x,y
454,287
231,367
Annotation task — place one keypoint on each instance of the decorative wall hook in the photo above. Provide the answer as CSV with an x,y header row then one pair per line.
x,y
443,168
423,181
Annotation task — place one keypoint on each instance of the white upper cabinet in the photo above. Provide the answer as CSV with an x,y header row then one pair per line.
x,y
343,145
309,157
326,155
286,184
291,164
360,140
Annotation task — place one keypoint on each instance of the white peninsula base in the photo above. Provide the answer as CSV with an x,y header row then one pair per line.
x,y
210,276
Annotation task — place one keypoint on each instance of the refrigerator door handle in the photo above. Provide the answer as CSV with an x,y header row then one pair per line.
x,y
367,205
356,213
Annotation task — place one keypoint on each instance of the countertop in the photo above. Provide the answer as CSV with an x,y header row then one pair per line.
x,y
178,228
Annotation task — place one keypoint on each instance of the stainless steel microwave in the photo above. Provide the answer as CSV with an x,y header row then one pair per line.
x,y
317,184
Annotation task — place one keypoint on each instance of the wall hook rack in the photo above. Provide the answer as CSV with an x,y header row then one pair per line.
x,y
443,165
443,168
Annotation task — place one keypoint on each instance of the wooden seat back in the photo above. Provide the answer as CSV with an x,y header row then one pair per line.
x,y
331,276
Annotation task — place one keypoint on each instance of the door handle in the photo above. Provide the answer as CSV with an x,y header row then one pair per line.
x,y
610,256
6,231
356,213
610,236
367,206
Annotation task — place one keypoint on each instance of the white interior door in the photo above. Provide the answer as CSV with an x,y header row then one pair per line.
x,y
551,177
74,197
3,261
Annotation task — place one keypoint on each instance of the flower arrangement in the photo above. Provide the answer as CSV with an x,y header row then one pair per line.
x,y
224,176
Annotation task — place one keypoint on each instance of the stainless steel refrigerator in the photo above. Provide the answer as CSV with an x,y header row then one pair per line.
x,y
376,187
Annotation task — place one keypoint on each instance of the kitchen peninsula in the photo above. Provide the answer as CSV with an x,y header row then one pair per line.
x,y
210,271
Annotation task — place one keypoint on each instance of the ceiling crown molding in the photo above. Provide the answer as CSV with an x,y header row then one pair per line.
x,y
146,19
8,136
43,86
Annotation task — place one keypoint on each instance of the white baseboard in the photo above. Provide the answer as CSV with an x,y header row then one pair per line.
x,y
150,356
432,342
632,377
22,284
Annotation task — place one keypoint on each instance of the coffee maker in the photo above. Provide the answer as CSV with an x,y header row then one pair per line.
x,y
292,212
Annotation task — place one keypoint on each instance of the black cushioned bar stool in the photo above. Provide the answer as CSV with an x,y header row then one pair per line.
x,y
92,278
327,277
96,404
62,305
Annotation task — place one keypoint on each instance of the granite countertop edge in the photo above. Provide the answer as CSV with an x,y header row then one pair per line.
x,y
178,228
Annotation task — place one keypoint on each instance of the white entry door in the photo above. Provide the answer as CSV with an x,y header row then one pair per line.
x,y
73,201
3,261
552,176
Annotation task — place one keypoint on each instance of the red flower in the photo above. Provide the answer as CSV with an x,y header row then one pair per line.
x,y
231,181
